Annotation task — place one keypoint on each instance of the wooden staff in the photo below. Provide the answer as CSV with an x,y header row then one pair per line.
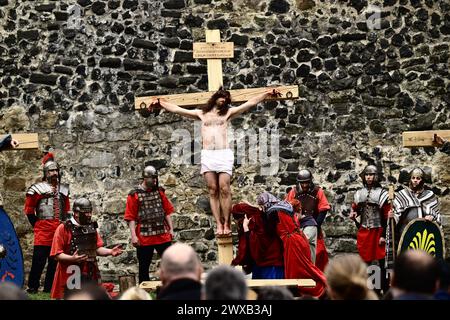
x,y
391,220
390,244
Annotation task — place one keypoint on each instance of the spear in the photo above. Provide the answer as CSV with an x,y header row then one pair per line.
x,y
390,239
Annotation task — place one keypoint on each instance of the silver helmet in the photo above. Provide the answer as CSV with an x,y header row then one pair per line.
x,y
149,172
304,176
370,169
417,172
150,175
83,206
50,165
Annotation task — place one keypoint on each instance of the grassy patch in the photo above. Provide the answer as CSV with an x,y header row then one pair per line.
x,y
39,296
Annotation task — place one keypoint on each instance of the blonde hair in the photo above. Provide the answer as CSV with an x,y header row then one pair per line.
x,y
135,293
347,278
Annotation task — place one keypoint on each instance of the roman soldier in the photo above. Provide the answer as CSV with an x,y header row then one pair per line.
x,y
148,215
77,244
415,201
46,205
371,205
314,208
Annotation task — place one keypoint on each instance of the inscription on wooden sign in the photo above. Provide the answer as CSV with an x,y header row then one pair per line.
x,y
213,50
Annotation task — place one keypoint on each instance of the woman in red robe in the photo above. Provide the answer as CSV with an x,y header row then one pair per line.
x,y
259,251
297,255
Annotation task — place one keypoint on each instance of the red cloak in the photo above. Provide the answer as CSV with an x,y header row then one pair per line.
x,y
297,256
260,246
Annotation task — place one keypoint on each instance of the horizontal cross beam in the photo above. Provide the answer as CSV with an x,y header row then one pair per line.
x,y
26,141
251,283
423,138
201,98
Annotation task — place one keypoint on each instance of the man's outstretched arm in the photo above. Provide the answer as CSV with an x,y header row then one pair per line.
x,y
175,109
253,102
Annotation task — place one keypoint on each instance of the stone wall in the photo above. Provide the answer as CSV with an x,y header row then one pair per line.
x,y
69,71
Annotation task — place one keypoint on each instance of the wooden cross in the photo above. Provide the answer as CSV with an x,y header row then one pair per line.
x,y
26,141
214,51
423,138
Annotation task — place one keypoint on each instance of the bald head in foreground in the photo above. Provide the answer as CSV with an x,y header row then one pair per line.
x,y
180,273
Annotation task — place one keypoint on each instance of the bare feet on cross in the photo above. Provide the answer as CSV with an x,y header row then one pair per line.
x,y
226,230
219,230
223,230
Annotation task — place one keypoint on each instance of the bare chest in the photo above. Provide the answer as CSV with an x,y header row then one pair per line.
x,y
213,120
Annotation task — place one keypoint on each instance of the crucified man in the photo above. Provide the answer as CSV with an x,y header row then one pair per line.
x,y
216,157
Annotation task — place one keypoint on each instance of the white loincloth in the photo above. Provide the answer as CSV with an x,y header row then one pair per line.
x,y
217,160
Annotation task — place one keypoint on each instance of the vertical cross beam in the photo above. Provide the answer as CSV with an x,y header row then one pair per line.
x,y
215,76
225,249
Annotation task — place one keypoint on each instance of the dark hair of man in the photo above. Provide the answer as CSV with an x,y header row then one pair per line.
x,y
444,282
225,283
221,93
274,293
95,291
415,272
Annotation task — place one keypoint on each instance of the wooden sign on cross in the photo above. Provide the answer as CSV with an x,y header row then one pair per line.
x,y
423,138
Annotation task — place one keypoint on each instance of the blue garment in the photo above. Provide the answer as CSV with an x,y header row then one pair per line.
x,y
5,141
442,295
272,203
308,221
267,272
282,206
446,148
414,296
11,266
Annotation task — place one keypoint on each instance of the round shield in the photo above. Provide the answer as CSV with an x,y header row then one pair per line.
x,y
11,258
424,235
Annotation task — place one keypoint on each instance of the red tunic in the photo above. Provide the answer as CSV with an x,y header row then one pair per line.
x,y
297,256
321,249
132,214
368,240
321,252
61,244
263,246
322,203
43,229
